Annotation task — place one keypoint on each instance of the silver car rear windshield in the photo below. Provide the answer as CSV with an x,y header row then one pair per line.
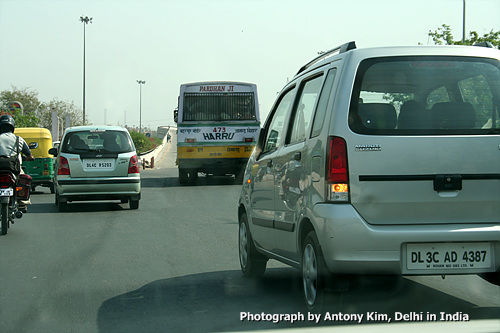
x,y
102,141
426,96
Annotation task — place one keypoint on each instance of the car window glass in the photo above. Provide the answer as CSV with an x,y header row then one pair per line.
x,y
319,117
276,126
425,95
439,95
476,91
308,92
110,141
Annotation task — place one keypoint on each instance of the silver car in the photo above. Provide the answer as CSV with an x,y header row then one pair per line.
x,y
378,161
96,163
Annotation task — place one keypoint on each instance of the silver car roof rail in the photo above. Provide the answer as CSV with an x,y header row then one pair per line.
x,y
339,49
485,44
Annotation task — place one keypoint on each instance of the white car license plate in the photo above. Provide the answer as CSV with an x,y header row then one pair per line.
x,y
99,164
448,256
6,192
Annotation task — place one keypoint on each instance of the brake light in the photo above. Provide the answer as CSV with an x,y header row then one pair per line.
x,y
6,181
337,175
63,168
190,140
133,165
249,140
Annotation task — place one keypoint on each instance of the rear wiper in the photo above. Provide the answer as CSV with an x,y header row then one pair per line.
x,y
80,150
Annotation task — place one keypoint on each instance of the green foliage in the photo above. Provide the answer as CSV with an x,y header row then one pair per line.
x,y
37,113
444,36
397,98
27,120
28,99
63,108
142,143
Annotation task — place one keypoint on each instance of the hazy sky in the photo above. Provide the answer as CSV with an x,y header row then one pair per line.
x,y
170,42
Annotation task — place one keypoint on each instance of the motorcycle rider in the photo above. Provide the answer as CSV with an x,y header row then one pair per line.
x,y
8,147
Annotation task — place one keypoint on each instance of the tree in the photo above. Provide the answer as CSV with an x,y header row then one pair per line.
x,y
63,109
30,102
37,113
444,36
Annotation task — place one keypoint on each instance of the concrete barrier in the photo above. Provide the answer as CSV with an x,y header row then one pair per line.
x,y
147,160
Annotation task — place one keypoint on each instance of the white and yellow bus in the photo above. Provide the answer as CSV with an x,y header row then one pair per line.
x,y
217,128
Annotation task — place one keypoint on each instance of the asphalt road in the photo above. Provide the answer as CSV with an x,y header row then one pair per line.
x,y
172,266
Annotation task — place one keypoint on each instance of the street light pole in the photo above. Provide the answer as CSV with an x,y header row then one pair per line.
x,y
140,103
463,25
85,20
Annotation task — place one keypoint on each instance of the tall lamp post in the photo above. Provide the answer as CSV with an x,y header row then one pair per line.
x,y
463,25
140,103
85,20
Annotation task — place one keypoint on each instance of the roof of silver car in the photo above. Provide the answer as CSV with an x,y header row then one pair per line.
x,y
352,45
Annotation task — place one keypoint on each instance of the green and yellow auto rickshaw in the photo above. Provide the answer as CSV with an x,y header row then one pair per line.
x,y
41,169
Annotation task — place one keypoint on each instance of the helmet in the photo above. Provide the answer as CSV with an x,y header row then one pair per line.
x,y
7,123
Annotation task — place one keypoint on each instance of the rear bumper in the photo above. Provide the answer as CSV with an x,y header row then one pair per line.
x,y
81,189
214,165
351,245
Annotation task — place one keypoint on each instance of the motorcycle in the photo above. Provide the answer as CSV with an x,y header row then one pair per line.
x,y
12,189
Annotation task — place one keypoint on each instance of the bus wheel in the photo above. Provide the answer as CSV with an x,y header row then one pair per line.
x,y
183,176
193,175
238,178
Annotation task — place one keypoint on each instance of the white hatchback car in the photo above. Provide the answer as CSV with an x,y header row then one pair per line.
x,y
378,161
96,163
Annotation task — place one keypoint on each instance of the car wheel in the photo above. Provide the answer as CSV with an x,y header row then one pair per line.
x,y
134,204
253,264
52,188
314,274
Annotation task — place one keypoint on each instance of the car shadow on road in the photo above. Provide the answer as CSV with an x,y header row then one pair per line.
x,y
78,207
155,182
214,301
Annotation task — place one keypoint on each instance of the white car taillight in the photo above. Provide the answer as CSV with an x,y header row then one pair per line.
x,y
63,168
133,165
337,174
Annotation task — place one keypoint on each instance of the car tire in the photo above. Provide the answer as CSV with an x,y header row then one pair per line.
x,y
314,274
134,204
252,263
52,188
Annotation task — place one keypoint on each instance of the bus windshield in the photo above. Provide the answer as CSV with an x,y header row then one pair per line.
x,y
219,106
